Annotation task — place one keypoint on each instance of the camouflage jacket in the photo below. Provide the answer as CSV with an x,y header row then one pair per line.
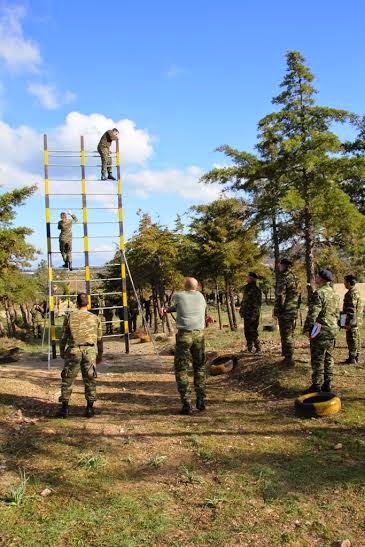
x,y
251,303
323,309
107,139
133,308
353,307
81,328
66,228
286,295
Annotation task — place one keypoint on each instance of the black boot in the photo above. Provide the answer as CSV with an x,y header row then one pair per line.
x,y
350,361
314,388
258,347
200,403
70,266
90,412
103,177
63,411
110,177
326,386
186,409
65,265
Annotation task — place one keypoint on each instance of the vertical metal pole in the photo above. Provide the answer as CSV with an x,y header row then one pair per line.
x,y
51,307
122,248
84,222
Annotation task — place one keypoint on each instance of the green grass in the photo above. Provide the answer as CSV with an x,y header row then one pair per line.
x,y
92,461
16,494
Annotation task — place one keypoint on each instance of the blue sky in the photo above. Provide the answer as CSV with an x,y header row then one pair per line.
x,y
188,76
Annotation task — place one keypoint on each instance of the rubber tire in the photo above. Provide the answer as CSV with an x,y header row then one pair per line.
x,y
316,405
145,339
215,370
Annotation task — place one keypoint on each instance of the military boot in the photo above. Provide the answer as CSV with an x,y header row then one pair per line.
x,y
249,348
200,403
350,361
326,386
103,177
258,347
89,412
110,177
63,411
186,409
65,265
314,388
70,266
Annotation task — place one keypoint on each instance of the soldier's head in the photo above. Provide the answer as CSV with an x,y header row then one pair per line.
x,y
191,284
82,300
285,264
350,281
115,133
63,216
252,277
323,276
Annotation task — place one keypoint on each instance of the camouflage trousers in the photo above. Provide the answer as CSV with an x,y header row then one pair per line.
x,y
106,159
322,359
37,329
353,342
66,249
190,344
287,328
251,330
83,357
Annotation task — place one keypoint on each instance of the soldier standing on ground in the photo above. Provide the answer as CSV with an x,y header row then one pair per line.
x,y
190,307
286,309
104,151
81,346
132,314
353,308
37,320
321,328
147,303
65,239
250,312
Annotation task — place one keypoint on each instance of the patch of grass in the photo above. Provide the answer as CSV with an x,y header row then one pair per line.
x,y
16,494
92,461
189,476
214,502
156,461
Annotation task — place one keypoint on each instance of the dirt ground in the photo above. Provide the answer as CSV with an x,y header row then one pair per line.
x,y
245,472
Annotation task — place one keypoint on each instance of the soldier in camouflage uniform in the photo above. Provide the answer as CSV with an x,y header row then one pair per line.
x,y
65,225
132,314
323,315
286,308
353,308
190,308
250,312
37,320
104,151
81,346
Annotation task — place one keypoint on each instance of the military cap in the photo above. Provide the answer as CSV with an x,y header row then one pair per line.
x,y
253,275
286,262
325,274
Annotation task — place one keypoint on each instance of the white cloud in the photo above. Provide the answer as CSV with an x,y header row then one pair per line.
x,y
183,182
17,52
174,71
49,97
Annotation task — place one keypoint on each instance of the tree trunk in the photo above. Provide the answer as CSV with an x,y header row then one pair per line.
x,y
275,240
309,244
233,308
155,311
24,310
229,311
218,305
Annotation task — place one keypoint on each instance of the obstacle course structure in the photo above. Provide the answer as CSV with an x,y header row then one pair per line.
x,y
99,215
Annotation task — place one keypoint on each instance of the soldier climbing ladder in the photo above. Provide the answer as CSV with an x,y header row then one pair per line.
x,y
90,267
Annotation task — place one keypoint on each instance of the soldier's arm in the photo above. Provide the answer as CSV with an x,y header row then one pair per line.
x,y
64,337
279,296
59,225
315,307
99,340
349,307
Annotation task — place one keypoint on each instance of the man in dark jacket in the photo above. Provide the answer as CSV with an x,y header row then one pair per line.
x,y
250,312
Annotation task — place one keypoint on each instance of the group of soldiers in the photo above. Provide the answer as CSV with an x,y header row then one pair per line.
x,y
81,343
321,324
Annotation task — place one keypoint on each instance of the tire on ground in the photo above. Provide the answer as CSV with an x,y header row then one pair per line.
x,y
313,405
